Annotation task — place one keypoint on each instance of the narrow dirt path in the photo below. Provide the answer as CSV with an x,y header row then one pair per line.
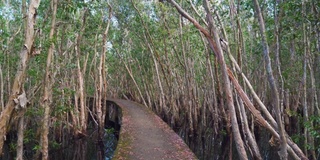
x,y
144,136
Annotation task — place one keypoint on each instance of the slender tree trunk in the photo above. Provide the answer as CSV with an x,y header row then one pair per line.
x,y
218,51
218,54
17,88
135,82
221,99
264,110
293,149
249,135
1,90
304,82
317,58
313,105
304,98
81,92
215,110
20,139
274,90
277,51
102,73
308,108
186,76
20,133
230,103
47,94
237,65
156,58
235,26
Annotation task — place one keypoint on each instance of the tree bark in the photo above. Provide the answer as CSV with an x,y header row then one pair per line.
x,y
1,90
102,73
20,139
296,153
293,149
296,150
17,88
227,87
237,66
47,94
186,77
81,91
274,90
218,52
134,81
277,18
156,58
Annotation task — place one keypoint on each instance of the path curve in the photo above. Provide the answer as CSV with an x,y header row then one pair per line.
x,y
144,136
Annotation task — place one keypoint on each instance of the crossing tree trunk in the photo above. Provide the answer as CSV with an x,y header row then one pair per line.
x,y
218,52
274,90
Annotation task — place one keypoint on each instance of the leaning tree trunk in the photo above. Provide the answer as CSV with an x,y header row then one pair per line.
x,y
18,98
156,58
276,102
227,87
237,66
218,52
294,150
47,94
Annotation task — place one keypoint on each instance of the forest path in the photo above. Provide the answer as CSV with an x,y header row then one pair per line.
x,y
144,136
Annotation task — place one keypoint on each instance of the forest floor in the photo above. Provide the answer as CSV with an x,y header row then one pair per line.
x,y
144,136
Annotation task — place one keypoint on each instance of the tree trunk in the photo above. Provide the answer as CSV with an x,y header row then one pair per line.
x,y
274,90
20,139
304,98
186,77
102,73
1,90
20,133
277,51
47,94
156,58
308,108
81,91
135,82
237,66
218,52
227,87
293,149
17,88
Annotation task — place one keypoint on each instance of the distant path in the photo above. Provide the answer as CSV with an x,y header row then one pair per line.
x,y
144,136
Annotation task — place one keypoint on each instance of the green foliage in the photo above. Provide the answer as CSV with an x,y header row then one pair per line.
x,y
36,148
313,127
62,109
54,145
297,138
127,34
34,112
29,136
12,146
109,131
223,132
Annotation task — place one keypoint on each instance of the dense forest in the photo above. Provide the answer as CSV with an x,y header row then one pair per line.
x,y
236,79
